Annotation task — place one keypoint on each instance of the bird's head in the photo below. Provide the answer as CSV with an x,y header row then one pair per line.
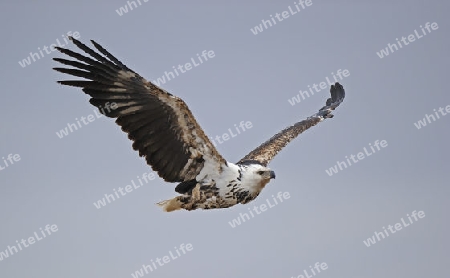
x,y
256,175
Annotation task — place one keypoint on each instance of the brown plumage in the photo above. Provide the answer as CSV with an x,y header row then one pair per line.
x,y
162,127
269,149
165,132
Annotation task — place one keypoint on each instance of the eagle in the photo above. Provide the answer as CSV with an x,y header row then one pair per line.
x,y
165,132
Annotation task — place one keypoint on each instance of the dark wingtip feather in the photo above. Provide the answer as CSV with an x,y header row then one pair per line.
x,y
60,49
337,93
75,41
109,55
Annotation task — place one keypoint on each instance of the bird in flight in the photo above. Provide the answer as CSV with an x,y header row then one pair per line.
x,y
165,132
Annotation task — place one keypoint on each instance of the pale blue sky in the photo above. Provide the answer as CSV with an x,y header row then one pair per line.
x,y
251,78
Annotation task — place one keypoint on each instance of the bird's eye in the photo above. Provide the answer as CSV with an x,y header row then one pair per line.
x,y
260,172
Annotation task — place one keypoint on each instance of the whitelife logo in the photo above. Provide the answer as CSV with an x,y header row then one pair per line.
x,y
146,269
24,243
411,38
11,158
398,226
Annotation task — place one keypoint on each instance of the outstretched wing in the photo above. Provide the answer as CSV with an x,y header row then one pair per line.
x,y
161,125
269,149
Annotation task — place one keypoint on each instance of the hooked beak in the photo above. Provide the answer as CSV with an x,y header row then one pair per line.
x,y
272,174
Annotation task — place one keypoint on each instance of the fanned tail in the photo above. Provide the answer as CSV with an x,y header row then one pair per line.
x,y
171,204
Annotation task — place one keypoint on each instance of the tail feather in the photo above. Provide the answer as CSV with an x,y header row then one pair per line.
x,y
171,204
